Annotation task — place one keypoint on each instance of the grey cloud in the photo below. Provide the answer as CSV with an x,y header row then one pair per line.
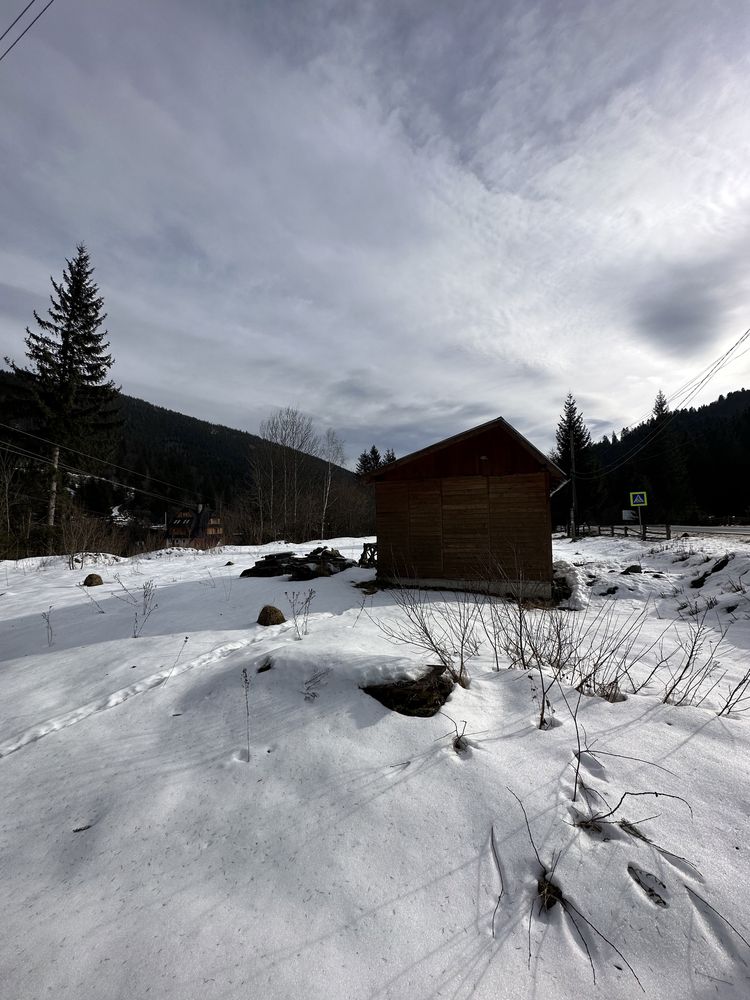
x,y
403,218
18,305
683,306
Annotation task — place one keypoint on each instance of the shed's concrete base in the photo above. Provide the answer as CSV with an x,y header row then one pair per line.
x,y
539,589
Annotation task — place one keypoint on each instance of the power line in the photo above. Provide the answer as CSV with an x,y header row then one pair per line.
x,y
687,392
24,453
702,377
74,470
93,458
17,19
28,26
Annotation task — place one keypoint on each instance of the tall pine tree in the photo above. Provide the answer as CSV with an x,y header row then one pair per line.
x,y
661,406
573,455
571,428
67,394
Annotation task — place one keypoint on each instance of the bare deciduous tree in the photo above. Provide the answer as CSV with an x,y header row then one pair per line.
x,y
289,438
332,454
296,492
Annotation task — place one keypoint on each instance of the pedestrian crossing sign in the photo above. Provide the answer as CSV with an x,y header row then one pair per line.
x,y
639,499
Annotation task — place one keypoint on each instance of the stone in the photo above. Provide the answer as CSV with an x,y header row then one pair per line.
x,y
422,698
320,562
269,615
264,569
93,580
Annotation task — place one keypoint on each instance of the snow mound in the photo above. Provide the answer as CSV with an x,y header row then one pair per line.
x,y
83,559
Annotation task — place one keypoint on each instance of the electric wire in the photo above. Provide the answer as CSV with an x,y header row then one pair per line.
x,y
686,393
28,26
75,470
14,23
33,456
93,458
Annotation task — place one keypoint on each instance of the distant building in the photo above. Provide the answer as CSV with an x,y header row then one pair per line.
x,y
472,510
199,528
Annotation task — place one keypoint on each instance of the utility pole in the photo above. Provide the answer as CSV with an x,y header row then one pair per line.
x,y
53,488
573,497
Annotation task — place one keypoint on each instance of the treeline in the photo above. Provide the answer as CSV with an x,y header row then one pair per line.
x,y
691,462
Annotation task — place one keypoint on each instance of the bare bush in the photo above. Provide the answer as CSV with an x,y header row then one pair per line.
x,y
592,650
246,689
47,619
691,678
738,696
147,607
81,533
300,607
549,894
446,627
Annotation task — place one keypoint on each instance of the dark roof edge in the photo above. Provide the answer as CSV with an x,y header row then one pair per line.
x,y
497,422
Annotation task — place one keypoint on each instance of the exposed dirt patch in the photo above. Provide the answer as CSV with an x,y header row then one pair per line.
x,y
422,698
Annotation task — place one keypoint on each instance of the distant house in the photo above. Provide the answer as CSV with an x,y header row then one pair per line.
x,y
199,528
471,510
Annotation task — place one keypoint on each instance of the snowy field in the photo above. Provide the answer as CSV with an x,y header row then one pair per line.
x,y
357,853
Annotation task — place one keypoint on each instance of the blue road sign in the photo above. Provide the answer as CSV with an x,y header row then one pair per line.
x,y
639,499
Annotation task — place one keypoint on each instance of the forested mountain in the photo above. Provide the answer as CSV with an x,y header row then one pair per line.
x,y
207,462
159,461
694,464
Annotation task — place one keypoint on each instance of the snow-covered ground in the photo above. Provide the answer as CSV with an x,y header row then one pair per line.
x,y
357,854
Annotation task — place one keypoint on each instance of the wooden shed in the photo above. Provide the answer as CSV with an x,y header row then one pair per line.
x,y
473,510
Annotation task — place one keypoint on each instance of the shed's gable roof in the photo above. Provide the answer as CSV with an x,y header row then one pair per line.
x,y
498,425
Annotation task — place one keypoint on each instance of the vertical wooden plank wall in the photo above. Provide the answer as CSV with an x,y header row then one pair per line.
x,y
392,527
520,528
466,539
426,520
451,528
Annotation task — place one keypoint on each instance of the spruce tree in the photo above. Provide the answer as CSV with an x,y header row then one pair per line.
x,y
661,406
65,389
363,464
573,455
571,427
369,461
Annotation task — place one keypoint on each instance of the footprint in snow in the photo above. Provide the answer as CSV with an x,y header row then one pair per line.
x,y
591,764
652,886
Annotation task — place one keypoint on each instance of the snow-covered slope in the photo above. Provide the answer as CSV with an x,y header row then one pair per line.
x,y
356,853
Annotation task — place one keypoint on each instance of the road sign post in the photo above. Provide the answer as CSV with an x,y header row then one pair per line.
x,y
639,499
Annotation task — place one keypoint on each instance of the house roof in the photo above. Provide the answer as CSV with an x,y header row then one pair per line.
x,y
499,424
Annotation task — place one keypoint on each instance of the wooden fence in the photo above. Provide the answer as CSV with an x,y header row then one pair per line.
x,y
644,531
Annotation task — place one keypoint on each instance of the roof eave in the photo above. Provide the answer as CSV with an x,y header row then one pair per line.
x,y
552,468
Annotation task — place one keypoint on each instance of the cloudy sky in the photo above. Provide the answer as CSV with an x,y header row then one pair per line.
x,y
403,217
